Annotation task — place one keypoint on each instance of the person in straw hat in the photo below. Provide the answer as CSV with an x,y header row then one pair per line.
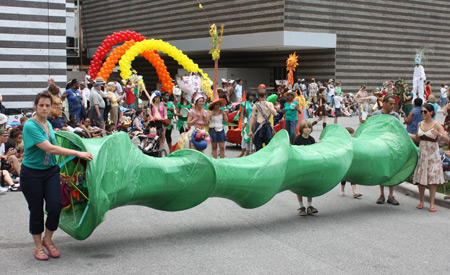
x,y
216,118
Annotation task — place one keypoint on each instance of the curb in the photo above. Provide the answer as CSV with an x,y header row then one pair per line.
x,y
409,189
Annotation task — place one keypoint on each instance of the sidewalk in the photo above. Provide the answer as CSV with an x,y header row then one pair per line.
x,y
408,189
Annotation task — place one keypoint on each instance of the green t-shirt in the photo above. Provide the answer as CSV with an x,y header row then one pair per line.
x,y
291,113
170,114
248,110
34,157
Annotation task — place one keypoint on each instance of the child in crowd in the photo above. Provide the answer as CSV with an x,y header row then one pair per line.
x,y
149,142
356,195
110,129
337,106
17,136
305,138
94,131
311,110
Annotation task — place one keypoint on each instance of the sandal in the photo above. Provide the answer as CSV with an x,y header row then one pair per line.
x,y
51,248
432,209
357,195
40,255
419,206
342,194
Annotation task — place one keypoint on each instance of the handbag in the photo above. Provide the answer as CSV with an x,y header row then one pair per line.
x,y
65,194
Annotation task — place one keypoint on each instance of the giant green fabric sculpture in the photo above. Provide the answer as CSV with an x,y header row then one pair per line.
x,y
381,152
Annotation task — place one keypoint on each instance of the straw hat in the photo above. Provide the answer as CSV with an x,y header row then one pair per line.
x,y
220,101
100,80
290,92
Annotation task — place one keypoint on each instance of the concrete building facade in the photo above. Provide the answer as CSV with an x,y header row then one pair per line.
x,y
354,41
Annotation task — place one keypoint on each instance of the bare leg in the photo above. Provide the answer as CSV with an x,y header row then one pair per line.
x,y
299,198
422,193
309,199
432,189
214,149
38,241
15,163
222,149
163,139
7,178
391,192
354,189
381,190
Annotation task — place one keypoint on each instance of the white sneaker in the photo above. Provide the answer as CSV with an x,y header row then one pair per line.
x,y
3,190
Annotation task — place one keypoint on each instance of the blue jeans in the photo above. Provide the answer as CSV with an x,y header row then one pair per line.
x,y
291,128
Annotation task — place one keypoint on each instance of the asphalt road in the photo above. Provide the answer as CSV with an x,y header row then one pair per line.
x,y
347,236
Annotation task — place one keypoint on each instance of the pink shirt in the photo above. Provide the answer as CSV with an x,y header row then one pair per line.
x,y
200,122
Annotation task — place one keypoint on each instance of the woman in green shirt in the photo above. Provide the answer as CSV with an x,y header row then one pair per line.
x,y
291,107
183,108
407,101
39,175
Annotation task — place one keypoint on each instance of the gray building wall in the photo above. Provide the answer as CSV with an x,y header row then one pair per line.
x,y
376,40
32,48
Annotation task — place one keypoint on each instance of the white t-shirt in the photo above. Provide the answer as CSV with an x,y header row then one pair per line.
x,y
337,101
2,149
444,91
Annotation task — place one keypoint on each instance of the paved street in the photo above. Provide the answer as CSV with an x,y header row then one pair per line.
x,y
347,236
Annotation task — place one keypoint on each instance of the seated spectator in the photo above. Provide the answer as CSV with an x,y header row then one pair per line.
x,y
75,127
10,154
110,129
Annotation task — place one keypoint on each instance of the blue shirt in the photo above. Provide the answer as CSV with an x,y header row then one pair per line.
x,y
75,99
417,117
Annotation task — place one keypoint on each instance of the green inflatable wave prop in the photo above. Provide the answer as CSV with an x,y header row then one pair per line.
x,y
381,153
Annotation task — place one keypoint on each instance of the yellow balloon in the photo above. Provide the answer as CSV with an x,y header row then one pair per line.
x,y
160,45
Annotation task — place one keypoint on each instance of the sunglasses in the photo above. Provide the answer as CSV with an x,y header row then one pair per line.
x,y
424,112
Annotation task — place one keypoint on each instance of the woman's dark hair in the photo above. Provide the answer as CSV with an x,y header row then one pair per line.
x,y
430,108
109,127
11,143
44,94
386,98
13,132
224,96
249,94
69,85
138,112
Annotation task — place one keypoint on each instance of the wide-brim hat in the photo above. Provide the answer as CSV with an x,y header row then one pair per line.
x,y
290,92
155,94
220,101
330,80
100,80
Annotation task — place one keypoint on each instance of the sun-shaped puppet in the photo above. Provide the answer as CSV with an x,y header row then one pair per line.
x,y
291,64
